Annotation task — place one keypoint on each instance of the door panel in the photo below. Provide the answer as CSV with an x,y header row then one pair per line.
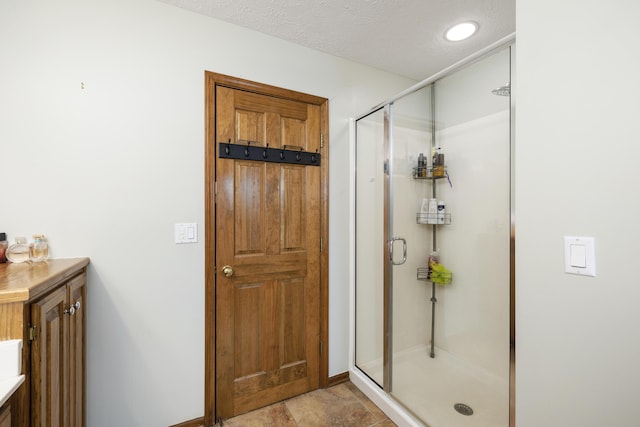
x,y
249,208
293,196
250,126
268,231
292,322
248,344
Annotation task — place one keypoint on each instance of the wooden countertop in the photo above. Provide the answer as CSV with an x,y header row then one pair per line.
x,y
25,281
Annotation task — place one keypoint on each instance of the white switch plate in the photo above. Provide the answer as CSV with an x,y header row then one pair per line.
x,y
186,232
579,255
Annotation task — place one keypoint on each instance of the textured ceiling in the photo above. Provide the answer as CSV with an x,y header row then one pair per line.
x,y
404,37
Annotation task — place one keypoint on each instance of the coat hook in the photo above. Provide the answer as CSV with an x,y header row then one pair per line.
x,y
263,152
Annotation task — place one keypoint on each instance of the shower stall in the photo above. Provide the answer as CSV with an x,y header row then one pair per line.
x,y
433,351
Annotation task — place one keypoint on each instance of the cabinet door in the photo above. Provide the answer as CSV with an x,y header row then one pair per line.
x,y
76,294
49,370
5,416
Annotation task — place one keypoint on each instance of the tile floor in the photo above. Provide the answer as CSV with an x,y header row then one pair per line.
x,y
341,405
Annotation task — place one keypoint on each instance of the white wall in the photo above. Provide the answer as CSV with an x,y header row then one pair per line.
x,y
106,170
577,174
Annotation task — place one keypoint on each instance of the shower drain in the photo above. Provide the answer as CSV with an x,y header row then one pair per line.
x,y
463,409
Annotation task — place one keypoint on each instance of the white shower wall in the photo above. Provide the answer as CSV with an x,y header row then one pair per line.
x,y
472,318
473,129
411,313
472,314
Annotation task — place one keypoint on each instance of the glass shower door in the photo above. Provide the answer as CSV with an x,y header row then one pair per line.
x,y
411,130
369,254
390,245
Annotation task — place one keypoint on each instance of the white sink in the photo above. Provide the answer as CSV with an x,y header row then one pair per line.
x,y
10,368
10,359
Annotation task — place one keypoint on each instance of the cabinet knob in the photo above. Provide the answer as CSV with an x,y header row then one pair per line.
x,y
72,309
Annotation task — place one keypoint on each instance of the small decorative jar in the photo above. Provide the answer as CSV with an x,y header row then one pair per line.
x,y
39,249
19,251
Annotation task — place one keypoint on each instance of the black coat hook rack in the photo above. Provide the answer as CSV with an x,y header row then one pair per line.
x,y
227,150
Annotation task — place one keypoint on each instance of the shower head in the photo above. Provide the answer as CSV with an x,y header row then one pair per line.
x,y
503,90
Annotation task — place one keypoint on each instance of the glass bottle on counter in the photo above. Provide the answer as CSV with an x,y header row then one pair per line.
x,y
39,248
19,251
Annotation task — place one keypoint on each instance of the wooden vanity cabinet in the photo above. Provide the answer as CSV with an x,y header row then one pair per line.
x,y
57,356
50,317
5,415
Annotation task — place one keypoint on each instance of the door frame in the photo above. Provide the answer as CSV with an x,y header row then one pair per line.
x,y
212,80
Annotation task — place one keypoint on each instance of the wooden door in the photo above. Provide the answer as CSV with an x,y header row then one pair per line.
x,y
268,232
49,372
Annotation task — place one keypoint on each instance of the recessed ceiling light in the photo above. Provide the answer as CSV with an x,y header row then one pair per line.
x,y
461,31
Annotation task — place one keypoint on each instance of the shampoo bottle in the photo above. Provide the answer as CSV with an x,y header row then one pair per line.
x,y
438,163
424,212
441,212
433,212
421,171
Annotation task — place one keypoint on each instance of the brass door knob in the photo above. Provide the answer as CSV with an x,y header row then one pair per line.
x,y
227,270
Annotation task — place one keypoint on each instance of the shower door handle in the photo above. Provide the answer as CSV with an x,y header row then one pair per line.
x,y
404,250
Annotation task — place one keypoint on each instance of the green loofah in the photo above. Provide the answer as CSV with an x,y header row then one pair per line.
x,y
439,274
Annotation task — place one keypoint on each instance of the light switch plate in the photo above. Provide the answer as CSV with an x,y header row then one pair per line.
x,y
186,232
579,255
